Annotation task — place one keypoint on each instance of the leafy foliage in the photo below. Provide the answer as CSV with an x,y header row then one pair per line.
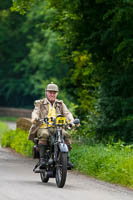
x,y
3,129
93,38
112,163
30,58
115,108
17,140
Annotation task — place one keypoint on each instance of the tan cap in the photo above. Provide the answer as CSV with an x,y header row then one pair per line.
x,y
52,87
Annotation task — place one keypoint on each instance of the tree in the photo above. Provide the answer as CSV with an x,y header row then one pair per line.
x,y
99,46
30,56
13,50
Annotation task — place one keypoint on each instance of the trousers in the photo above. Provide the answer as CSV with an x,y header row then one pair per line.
x,y
43,135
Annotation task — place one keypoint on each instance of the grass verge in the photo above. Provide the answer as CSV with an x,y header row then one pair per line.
x,y
3,128
10,119
111,163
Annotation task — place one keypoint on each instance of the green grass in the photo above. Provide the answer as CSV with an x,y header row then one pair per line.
x,y
3,128
11,119
109,163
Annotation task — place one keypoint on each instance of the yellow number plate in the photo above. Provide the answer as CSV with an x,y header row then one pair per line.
x,y
60,120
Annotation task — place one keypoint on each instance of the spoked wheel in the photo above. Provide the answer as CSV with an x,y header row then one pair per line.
x,y
61,169
44,177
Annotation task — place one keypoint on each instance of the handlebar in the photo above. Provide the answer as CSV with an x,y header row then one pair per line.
x,y
55,122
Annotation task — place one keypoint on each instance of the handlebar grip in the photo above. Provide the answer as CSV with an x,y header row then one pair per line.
x,y
46,120
76,121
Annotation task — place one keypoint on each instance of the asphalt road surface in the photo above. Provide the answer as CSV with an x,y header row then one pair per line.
x,y
11,125
18,182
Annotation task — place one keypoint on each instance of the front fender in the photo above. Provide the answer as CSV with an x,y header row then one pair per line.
x,y
63,147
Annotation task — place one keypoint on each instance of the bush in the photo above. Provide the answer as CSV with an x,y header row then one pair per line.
x,y
17,140
115,108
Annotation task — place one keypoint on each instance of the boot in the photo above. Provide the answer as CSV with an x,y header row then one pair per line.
x,y
43,155
69,164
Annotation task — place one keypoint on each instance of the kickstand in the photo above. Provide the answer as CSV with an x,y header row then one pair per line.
x,y
36,166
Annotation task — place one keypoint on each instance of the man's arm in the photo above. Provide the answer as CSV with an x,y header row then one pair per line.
x,y
67,113
36,112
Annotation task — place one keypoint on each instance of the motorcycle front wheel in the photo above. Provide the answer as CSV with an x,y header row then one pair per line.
x,y
61,169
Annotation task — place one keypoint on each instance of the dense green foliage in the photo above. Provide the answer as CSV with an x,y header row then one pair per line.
x,y
17,140
112,163
30,56
84,46
99,35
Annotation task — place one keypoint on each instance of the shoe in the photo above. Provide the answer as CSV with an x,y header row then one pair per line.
x,y
42,163
69,165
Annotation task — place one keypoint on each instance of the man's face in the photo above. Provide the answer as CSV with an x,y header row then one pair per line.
x,y
51,95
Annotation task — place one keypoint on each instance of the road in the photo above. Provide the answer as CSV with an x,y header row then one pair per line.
x,y
11,125
18,182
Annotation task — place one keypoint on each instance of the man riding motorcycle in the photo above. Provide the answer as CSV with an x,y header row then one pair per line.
x,y
48,107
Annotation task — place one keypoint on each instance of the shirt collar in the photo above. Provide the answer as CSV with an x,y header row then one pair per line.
x,y
46,101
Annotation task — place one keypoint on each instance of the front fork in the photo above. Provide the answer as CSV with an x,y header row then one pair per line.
x,y
55,152
59,144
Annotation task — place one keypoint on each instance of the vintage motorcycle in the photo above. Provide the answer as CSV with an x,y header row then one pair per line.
x,y
57,153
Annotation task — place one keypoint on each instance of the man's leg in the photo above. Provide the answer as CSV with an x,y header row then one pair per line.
x,y
68,143
43,137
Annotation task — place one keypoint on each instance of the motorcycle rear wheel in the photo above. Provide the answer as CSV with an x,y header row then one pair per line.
x,y
61,169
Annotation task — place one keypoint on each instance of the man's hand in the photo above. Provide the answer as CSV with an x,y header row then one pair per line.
x,y
77,125
76,122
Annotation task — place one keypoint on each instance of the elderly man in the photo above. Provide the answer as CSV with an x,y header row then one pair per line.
x,y
48,107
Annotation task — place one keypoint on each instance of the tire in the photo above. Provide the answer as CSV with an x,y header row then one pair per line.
x,y
44,178
61,169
